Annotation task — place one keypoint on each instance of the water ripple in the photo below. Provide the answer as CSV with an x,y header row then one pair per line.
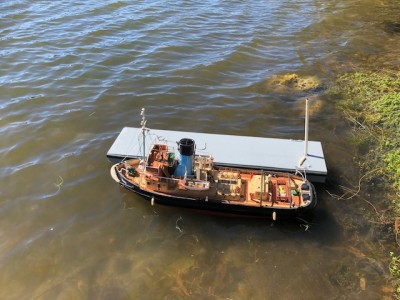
x,y
75,72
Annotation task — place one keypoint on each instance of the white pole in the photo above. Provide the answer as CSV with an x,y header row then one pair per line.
x,y
306,131
304,157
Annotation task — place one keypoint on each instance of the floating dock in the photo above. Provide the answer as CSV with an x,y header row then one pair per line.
x,y
231,150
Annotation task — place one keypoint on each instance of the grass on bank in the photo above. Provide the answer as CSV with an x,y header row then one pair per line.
x,y
372,104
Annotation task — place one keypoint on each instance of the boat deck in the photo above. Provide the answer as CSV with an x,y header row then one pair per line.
x,y
281,155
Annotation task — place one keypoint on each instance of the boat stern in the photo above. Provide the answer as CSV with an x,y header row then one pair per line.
x,y
308,194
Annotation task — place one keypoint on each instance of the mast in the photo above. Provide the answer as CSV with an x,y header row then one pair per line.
x,y
143,129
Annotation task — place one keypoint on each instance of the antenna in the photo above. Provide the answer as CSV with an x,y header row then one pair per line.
x,y
304,157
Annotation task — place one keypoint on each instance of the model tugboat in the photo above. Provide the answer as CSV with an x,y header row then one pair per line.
x,y
189,178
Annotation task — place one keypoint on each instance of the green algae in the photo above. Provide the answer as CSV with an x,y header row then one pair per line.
x,y
294,82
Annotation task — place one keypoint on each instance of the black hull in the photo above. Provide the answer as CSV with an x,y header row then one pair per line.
x,y
220,207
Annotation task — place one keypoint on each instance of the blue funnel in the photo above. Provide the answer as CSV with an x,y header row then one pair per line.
x,y
186,150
